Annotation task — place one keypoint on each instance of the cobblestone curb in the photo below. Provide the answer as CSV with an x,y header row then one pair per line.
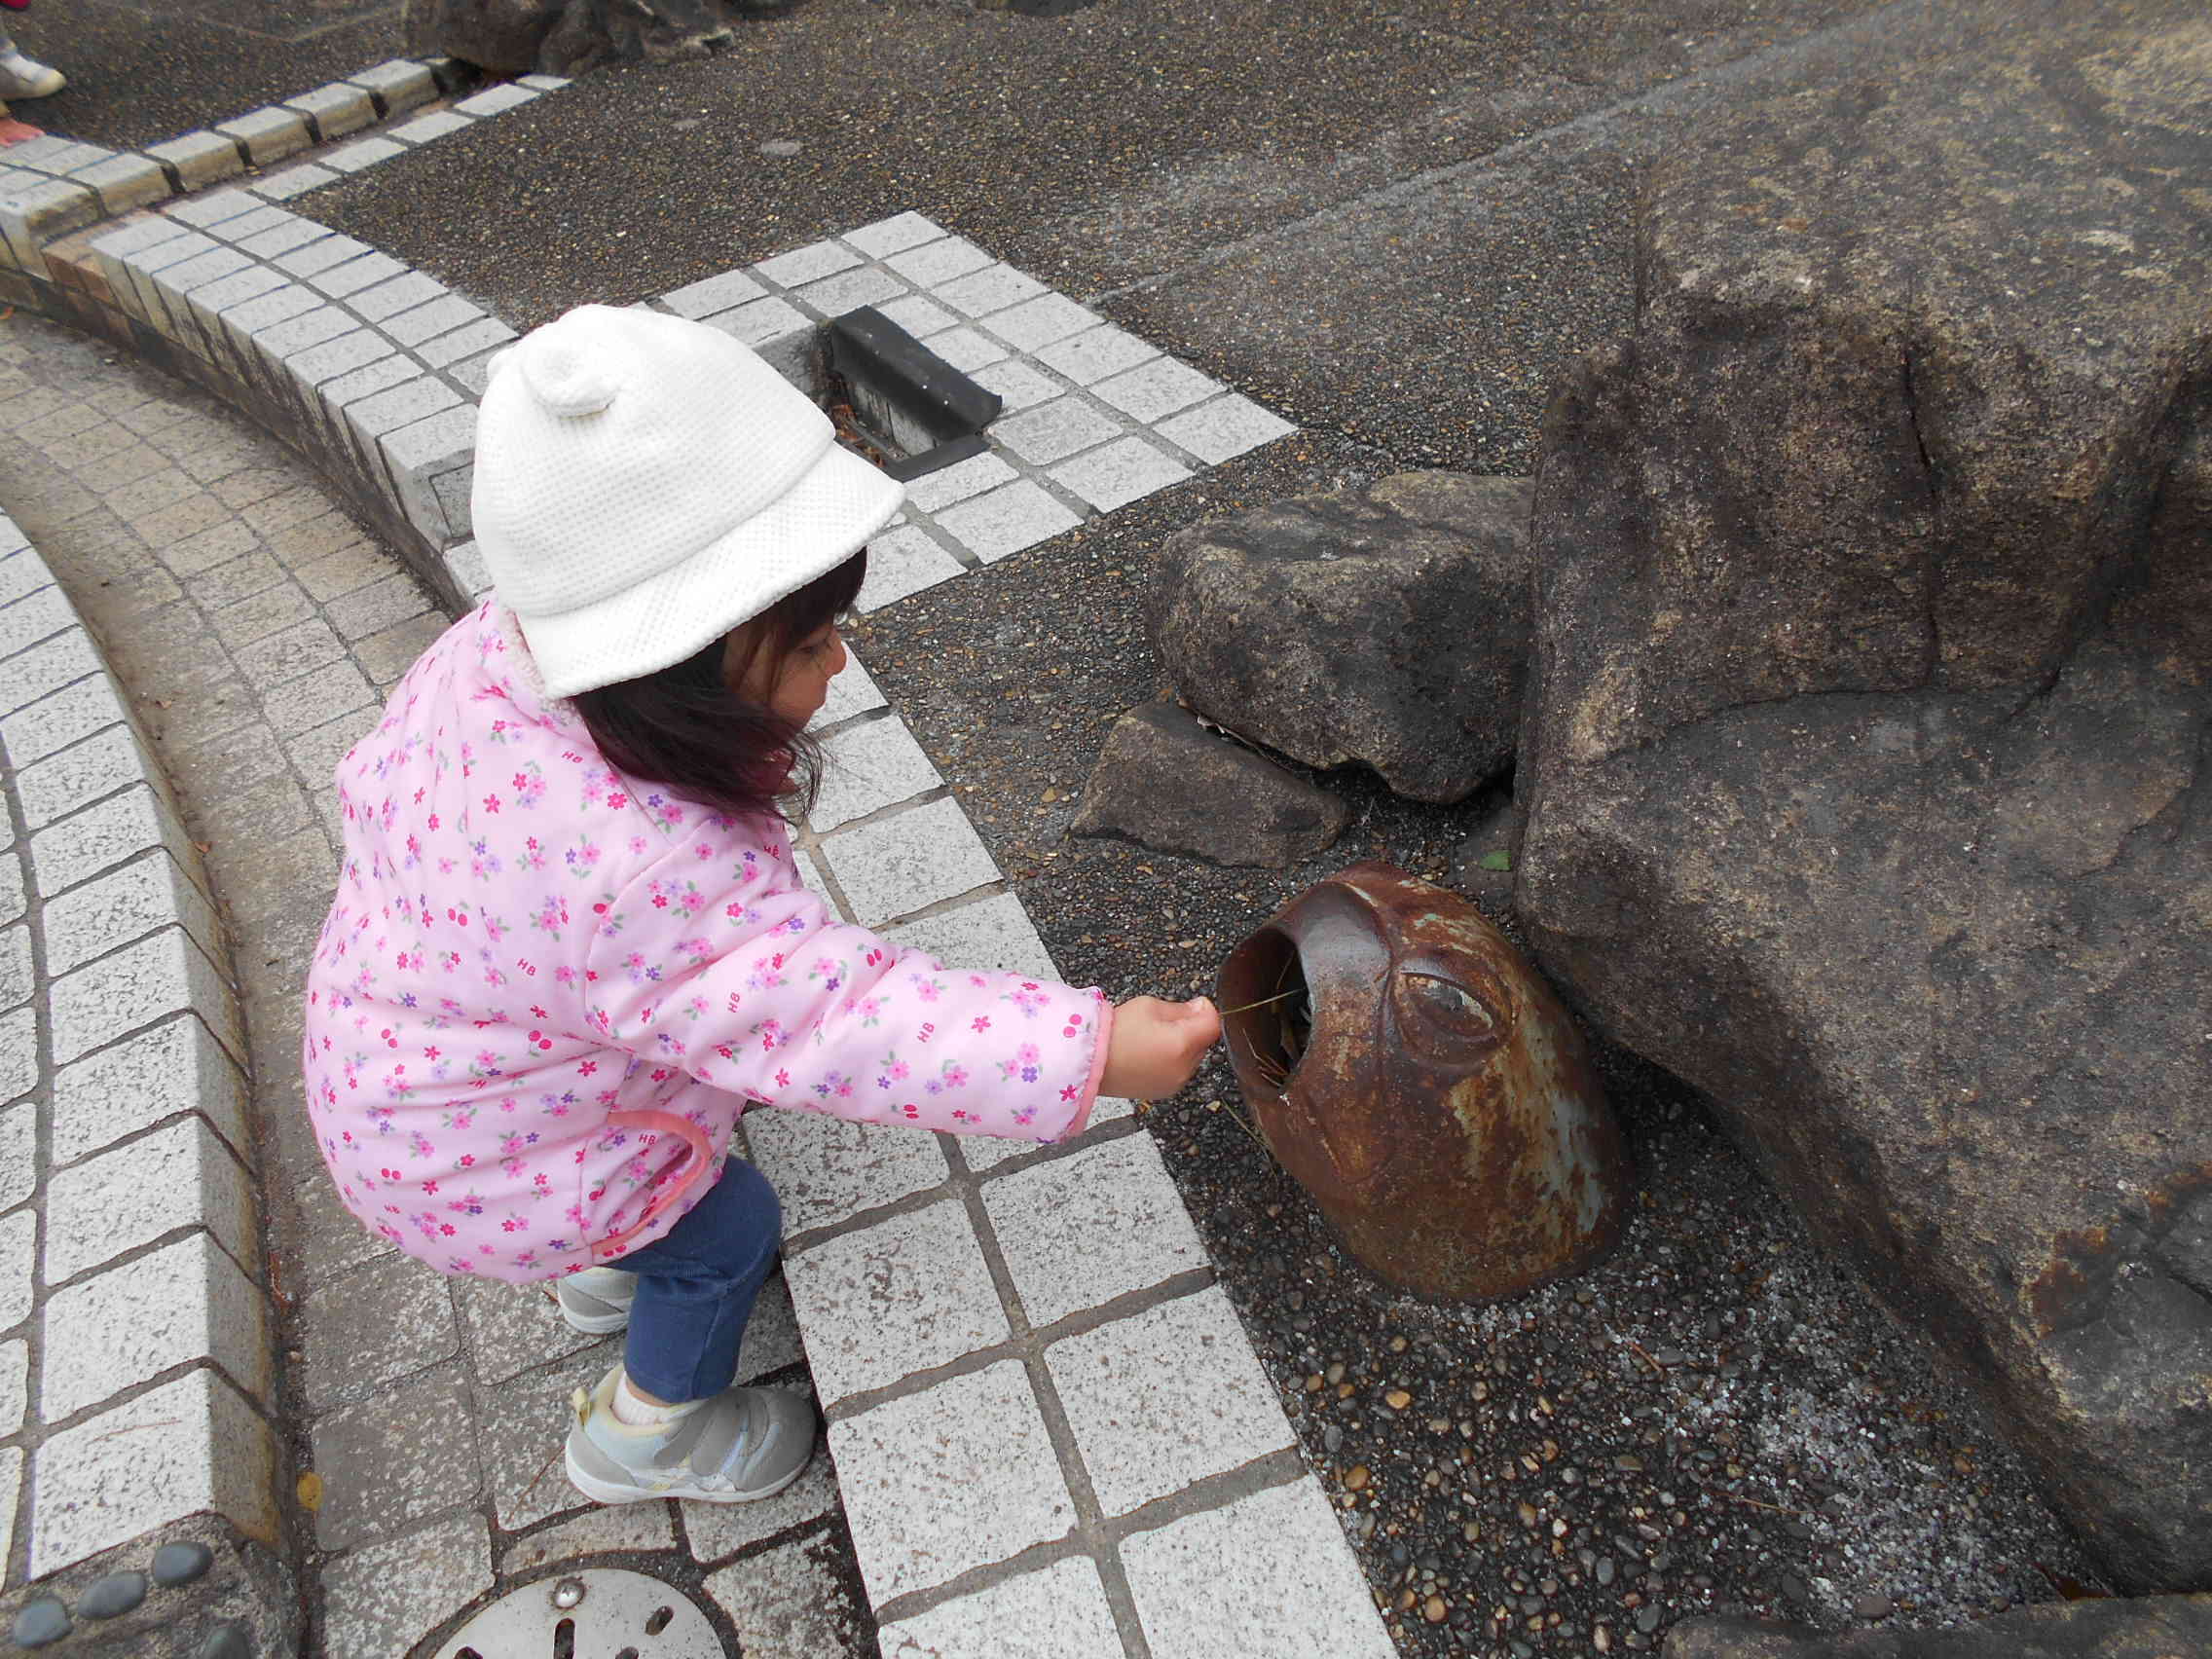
x,y
136,1356
52,185
338,348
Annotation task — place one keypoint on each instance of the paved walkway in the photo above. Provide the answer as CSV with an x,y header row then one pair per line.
x,y
1065,1433
257,629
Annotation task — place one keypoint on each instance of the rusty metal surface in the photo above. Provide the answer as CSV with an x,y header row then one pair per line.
x,y
1413,1072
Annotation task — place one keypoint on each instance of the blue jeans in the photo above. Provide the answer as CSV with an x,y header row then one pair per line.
x,y
695,1288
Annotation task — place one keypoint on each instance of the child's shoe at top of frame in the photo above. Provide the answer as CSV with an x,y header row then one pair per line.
x,y
23,76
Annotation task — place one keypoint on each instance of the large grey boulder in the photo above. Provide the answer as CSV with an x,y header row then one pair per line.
x,y
1163,781
2095,1628
1386,625
565,37
1866,777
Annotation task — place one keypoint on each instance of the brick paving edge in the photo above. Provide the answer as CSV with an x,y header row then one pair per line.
x,y
140,1347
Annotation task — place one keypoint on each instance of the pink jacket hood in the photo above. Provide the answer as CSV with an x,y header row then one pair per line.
x,y
544,992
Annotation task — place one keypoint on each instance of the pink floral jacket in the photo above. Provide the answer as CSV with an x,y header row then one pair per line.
x,y
545,993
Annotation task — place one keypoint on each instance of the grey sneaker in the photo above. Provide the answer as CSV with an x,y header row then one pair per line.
x,y
741,1445
23,76
596,1300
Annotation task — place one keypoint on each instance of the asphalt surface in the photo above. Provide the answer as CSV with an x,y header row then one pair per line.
x,y
1394,223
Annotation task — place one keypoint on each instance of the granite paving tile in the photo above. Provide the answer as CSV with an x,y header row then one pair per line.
x,y
1294,1575
379,1600
365,1330
396,1459
789,1602
950,1478
523,1423
173,1177
514,1327
1059,1612
1006,521
190,1445
826,1168
871,766
608,1528
1090,1226
904,1294
182,1302
1166,1397
897,865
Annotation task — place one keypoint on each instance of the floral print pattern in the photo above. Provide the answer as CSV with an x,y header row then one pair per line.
x,y
545,992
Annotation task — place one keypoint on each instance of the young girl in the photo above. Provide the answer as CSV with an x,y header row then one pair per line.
x,y
570,944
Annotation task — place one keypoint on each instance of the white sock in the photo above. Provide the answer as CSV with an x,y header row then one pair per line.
x,y
632,1408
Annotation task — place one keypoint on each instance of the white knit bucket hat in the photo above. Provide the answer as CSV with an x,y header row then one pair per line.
x,y
645,484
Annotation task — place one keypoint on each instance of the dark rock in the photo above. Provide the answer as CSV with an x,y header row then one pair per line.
x,y
1386,625
2098,1628
40,1622
181,1563
1864,777
227,1640
1165,782
112,1596
565,37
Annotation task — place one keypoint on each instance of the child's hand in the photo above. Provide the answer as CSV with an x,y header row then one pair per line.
x,y
1156,1046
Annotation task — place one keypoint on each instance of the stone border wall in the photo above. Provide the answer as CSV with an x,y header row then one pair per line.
x,y
368,369
136,1371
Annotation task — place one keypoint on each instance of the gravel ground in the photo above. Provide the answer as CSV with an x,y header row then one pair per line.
x,y
1716,1418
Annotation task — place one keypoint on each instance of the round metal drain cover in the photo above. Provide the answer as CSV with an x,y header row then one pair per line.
x,y
600,1612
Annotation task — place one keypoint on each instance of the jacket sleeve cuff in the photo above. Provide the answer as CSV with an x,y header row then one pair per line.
x,y
1105,1026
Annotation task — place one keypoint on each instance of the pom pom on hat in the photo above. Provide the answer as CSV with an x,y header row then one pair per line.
x,y
570,375
644,484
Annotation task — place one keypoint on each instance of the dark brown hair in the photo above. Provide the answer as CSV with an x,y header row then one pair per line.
x,y
683,726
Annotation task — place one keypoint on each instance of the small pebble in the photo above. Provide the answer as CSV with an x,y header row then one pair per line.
x,y
1355,1477
113,1595
1434,1609
782,147
1869,1609
1397,1399
227,1640
181,1563
1648,1617
40,1622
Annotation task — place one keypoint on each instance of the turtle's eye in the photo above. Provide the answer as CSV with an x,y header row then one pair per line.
x,y
1443,1018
